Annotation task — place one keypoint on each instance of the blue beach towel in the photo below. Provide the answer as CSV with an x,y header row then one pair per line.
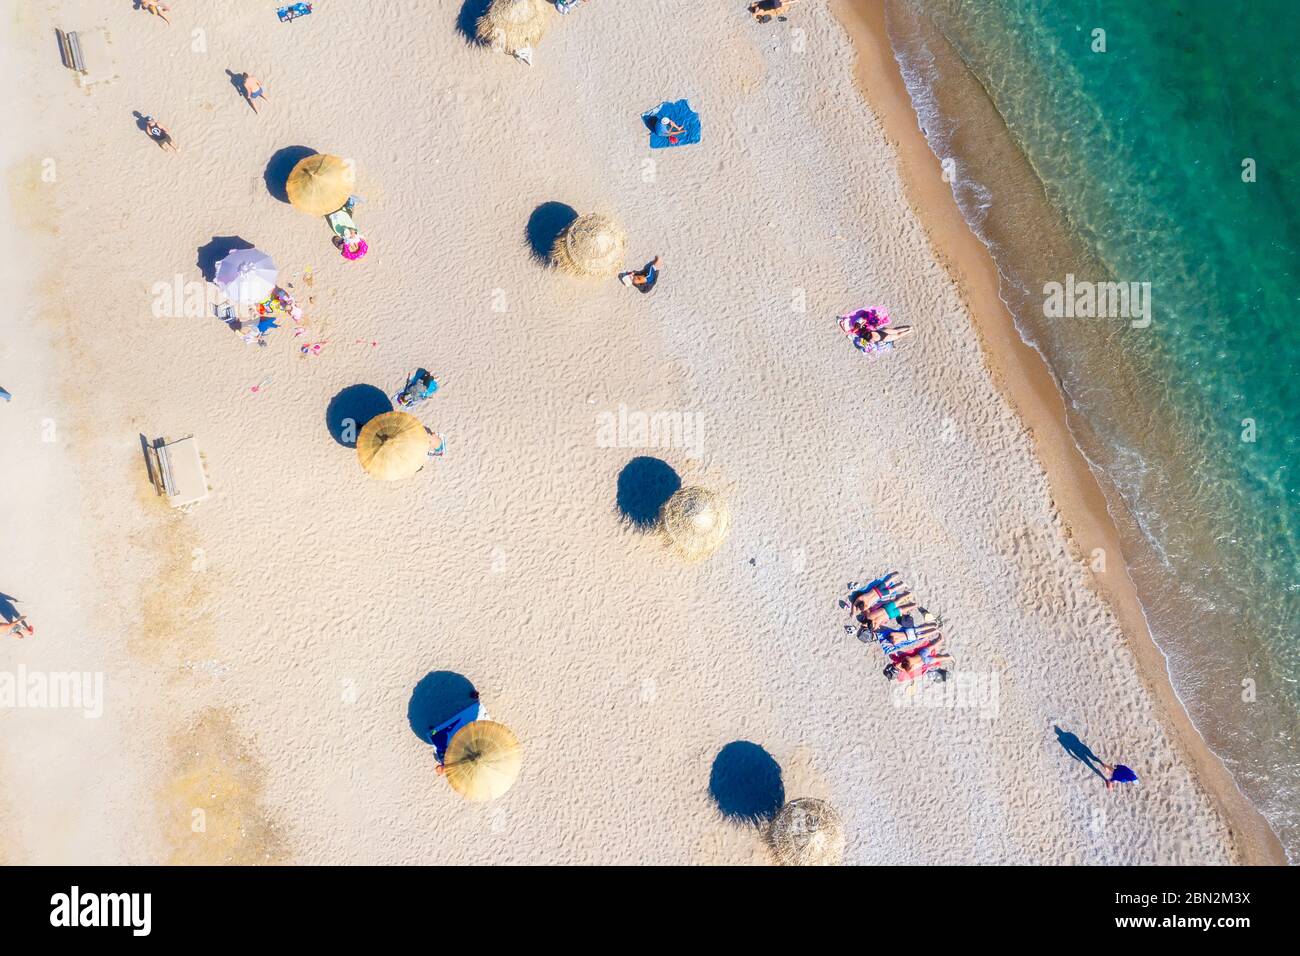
x,y
293,12
681,114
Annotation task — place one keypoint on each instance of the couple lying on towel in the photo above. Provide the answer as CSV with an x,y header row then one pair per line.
x,y
886,613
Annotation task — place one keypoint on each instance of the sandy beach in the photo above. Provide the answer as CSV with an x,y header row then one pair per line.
x,y
259,654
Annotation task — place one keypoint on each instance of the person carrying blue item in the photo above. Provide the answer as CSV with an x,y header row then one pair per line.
x,y
1118,774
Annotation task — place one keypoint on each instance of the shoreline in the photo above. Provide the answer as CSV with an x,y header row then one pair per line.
x,y
1026,382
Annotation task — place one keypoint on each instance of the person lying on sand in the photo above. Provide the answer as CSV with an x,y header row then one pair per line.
x,y
881,336
906,639
878,615
417,390
927,660
158,133
253,90
876,591
765,10
157,9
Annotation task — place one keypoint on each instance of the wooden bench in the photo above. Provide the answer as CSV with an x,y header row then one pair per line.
x,y
70,51
176,469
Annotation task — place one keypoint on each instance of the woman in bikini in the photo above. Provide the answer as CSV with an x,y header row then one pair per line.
x,y
158,133
881,336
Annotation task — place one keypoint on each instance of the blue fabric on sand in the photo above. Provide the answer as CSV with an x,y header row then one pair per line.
x,y
681,114
441,735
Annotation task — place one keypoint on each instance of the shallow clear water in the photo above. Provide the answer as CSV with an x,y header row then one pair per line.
x,y
1164,151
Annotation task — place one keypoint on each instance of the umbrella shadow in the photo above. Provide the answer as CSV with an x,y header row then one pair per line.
x,y
351,408
467,19
644,485
281,165
545,225
745,783
211,253
1080,751
438,697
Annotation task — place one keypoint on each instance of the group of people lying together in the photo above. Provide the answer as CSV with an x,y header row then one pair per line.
x,y
885,613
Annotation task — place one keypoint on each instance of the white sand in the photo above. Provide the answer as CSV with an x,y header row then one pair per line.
x,y
259,653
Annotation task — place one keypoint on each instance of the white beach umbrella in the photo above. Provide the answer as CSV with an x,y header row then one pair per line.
x,y
246,276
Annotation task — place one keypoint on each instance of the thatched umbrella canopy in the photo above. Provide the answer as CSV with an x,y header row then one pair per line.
x,y
592,245
392,446
511,25
695,520
807,832
482,760
320,184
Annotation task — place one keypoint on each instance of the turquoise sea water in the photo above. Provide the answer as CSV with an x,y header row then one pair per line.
x,y
1172,157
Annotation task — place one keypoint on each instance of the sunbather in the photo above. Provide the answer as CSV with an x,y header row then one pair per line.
x,y
907,640
879,615
666,127
157,9
881,336
926,660
876,591
765,10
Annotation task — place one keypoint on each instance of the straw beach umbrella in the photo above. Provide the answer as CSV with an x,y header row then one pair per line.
x,y
695,521
392,446
482,760
246,276
592,245
513,25
320,184
807,832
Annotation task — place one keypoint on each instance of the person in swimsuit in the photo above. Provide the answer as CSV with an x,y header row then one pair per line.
x,y
644,280
765,10
907,640
253,90
419,388
158,133
881,336
908,667
878,615
157,9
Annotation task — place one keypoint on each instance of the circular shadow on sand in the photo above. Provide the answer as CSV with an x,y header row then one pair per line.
x,y
545,225
211,253
279,168
351,408
439,696
644,485
746,783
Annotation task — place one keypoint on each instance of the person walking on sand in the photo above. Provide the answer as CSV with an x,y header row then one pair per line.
x,y
158,133
157,9
1118,774
253,90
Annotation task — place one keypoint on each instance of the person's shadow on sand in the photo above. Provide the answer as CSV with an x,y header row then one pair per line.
x,y
1080,751
746,784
